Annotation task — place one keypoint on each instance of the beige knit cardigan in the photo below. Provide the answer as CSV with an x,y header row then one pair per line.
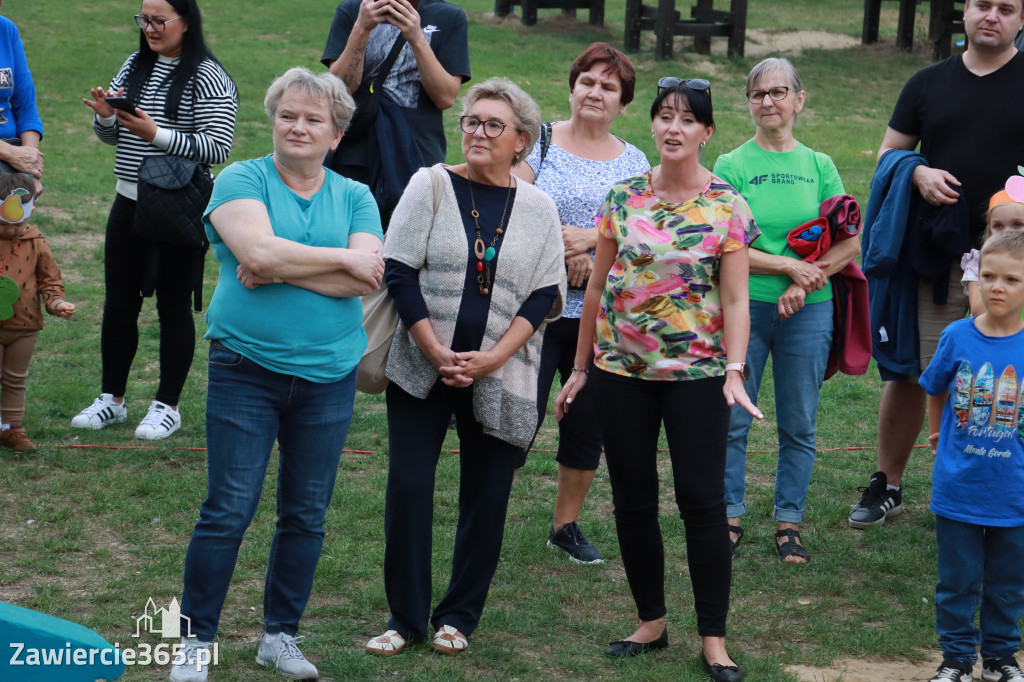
x,y
532,257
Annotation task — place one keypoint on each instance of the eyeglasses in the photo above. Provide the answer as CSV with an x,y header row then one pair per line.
x,y
492,128
777,94
695,84
158,25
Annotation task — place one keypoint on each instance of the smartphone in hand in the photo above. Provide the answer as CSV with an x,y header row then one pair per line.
x,y
120,103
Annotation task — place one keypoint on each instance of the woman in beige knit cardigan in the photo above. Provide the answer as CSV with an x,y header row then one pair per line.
x,y
474,277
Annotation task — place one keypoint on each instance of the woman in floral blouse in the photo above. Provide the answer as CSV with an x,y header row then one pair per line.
x,y
667,298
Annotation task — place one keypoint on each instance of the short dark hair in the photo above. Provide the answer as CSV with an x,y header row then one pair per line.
x,y
699,101
616,62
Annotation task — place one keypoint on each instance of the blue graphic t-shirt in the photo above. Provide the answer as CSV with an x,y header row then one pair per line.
x,y
978,474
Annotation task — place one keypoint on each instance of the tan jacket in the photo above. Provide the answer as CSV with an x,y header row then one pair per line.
x,y
36,273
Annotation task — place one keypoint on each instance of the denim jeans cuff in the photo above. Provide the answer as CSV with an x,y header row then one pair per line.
x,y
788,515
734,511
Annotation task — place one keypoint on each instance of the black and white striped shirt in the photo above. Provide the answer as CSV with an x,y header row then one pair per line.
x,y
207,116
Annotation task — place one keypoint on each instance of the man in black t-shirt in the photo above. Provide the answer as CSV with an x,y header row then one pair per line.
x,y
431,67
968,114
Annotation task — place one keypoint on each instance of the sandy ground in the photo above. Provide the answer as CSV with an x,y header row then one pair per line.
x,y
761,42
864,670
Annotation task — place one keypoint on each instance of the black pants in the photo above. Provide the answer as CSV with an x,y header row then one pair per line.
x,y
696,419
416,431
128,261
579,439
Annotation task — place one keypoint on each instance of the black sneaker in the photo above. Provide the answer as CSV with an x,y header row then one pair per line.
x,y
957,671
575,544
877,504
1001,670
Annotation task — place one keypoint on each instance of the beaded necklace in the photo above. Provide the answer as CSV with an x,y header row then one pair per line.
x,y
484,255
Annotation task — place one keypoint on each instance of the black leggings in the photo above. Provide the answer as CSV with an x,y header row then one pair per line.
x,y
696,419
127,260
579,441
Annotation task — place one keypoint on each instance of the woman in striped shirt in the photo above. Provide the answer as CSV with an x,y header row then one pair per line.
x,y
183,104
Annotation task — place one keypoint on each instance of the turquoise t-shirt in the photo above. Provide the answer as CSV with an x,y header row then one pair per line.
x,y
784,190
281,327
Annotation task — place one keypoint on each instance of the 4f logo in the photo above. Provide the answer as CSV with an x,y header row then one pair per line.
x,y
758,179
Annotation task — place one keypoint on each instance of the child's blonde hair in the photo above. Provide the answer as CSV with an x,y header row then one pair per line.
x,y
997,199
1010,242
12,181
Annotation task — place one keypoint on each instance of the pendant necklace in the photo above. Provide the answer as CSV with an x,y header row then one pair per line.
x,y
485,254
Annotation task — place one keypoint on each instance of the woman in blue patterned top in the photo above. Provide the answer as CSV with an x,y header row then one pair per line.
x,y
582,162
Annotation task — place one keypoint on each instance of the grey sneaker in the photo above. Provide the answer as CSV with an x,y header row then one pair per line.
x,y
1001,670
102,412
280,651
953,671
877,504
192,663
575,543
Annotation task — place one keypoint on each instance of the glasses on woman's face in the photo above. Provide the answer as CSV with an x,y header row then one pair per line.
x,y
492,127
777,94
695,84
158,25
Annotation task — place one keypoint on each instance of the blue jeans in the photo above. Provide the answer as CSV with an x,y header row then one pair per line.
x,y
799,348
247,408
978,565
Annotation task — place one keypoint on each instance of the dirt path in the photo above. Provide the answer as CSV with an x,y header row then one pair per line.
x,y
864,670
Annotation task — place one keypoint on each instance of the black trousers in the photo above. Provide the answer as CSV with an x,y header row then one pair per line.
x,y
416,431
696,420
128,262
579,439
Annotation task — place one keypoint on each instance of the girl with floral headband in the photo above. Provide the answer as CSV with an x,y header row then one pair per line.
x,y
27,272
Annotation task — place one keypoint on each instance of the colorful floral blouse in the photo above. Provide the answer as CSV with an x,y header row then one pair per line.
x,y
661,316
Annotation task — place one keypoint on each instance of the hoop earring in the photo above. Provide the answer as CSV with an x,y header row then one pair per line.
x,y
702,144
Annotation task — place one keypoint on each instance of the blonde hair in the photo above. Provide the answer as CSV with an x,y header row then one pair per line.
x,y
323,88
524,109
1010,242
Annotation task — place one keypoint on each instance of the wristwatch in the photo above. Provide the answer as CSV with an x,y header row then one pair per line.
x,y
740,367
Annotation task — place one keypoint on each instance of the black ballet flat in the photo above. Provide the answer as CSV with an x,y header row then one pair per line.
x,y
721,673
625,649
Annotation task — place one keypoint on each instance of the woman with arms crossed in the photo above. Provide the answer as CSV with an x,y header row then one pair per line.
x,y
298,245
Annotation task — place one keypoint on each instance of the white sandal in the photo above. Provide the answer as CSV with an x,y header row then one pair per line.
x,y
448,640
388,644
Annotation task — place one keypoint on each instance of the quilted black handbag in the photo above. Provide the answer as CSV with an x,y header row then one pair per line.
x,y
173,194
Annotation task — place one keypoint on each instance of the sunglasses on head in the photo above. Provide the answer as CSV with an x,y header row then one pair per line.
x,y
695,84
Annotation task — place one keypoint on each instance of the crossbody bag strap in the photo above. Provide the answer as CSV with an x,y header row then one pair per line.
x,y
437,184
545,142
386,67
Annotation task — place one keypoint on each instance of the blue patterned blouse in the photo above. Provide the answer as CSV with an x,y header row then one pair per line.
x,y
579,187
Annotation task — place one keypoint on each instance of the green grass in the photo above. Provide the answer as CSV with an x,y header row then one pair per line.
x,y
89,533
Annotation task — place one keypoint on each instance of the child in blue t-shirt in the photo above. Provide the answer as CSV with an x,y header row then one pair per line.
x,y
974,383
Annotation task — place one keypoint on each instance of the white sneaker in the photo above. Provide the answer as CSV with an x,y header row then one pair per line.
x,y
280,650
193,666
102,412
160,422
